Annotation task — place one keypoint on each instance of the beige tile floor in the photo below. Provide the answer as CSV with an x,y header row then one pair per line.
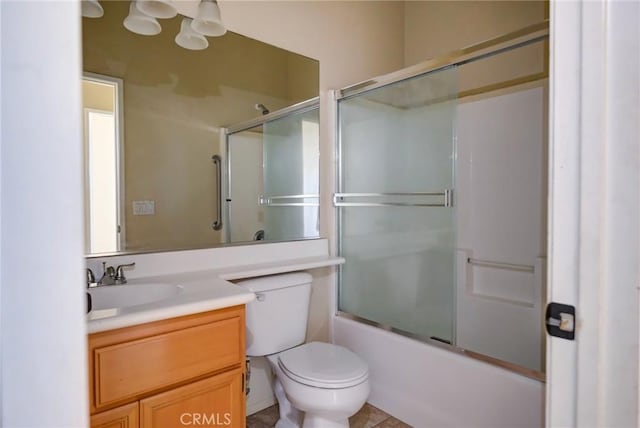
x,y
367,417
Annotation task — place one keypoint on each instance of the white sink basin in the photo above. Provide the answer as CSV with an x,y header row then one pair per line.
x,y
120,296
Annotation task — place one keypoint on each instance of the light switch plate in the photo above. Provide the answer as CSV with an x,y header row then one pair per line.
x,y
144,207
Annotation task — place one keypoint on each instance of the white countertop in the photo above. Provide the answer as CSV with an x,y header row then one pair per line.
x,y
199,291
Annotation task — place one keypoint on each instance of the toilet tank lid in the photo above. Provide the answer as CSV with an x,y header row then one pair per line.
x,y
275,282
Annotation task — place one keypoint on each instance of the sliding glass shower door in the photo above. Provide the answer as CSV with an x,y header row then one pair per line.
x,y
395,205
291,162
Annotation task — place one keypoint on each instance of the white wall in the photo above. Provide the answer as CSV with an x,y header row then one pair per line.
x,y
44,360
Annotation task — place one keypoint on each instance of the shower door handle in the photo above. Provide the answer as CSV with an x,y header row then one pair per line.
x,y
217,162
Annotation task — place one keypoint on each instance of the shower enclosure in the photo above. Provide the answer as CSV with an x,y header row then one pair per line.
x,y
440,201
272,176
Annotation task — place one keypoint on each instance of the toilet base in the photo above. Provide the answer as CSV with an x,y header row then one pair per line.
x,y
317,421
290,417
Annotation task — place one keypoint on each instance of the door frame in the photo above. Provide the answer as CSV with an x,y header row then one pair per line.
x,y
593,211
120,174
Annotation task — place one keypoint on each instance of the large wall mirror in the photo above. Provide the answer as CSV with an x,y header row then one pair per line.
x,y
195,148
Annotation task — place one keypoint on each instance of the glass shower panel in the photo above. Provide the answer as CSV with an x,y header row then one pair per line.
x,y
291,177
396,214
244,217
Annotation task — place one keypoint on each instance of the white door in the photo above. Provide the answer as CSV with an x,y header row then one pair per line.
x,y
594,212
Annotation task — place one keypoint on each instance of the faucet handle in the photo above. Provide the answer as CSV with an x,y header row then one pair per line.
x,y
91,278
120,272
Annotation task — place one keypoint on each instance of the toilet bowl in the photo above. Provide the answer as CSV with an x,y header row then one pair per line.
x,y
317,385
327,382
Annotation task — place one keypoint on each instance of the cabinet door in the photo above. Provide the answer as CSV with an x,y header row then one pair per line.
x,y
214,401
121,417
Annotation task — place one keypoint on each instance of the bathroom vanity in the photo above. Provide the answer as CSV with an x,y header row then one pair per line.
x,y
171,372
167,352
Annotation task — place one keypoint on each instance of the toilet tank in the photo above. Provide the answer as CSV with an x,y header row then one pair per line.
x,y
277,319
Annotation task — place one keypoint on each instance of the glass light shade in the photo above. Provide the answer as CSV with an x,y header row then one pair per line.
x,y
92,9
139,23
208,20
189,39
162,9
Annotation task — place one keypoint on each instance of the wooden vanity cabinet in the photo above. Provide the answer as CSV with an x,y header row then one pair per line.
x,y
170,373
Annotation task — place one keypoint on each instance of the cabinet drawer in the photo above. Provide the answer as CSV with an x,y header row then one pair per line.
x,y
129,370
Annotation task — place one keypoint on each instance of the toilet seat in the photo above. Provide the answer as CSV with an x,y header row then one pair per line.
x,y
323,365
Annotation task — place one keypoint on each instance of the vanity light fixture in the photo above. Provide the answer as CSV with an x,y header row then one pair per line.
x,y
92,9
143,13
208,21
162,9
190,39
139,23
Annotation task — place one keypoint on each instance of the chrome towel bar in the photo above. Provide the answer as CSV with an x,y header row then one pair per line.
x,y
446,195
268,201
500,265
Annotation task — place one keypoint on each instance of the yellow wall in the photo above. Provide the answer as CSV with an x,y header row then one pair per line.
x,y
353,40
435,28
175,101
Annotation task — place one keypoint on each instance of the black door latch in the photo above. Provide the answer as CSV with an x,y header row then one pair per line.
x,y
561,320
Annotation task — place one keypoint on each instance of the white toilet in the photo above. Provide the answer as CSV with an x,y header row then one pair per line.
x,y
318,385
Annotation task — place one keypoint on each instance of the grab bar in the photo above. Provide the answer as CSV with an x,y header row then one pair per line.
x,y
267,201
217,161
447,195
500,265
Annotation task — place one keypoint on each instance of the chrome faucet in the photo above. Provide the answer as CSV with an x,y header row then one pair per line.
x,y
113,276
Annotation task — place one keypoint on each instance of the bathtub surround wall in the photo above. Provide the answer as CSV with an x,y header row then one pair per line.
x,y
501,171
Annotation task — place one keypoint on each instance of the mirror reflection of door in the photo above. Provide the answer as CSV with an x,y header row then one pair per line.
x,y
102,98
